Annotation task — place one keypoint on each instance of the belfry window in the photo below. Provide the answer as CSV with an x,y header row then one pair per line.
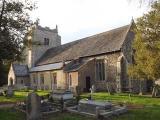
x,y
46,41
100,70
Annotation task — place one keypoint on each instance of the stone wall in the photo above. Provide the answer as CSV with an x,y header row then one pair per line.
x,y
87,70
74,80
22,81
110,72
48,80
127,52
136,84
127,48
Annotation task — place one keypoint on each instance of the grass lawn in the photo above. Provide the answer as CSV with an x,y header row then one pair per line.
x,y
124,98
11,114
151,111
148,113
69,116
20,96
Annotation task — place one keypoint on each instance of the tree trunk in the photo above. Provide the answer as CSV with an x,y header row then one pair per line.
x,y
2,12
140,88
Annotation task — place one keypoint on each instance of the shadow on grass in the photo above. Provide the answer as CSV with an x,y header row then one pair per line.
x,y
11,114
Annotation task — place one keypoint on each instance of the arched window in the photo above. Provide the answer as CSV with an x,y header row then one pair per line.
x,y
46,41
70,80
100,70
21,81
42,78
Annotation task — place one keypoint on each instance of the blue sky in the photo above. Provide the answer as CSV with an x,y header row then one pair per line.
x,y
81,18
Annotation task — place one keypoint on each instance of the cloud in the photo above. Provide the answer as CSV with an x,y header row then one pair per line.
x,y
80,18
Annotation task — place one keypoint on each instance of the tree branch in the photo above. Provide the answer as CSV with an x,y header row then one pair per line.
x,y
2,12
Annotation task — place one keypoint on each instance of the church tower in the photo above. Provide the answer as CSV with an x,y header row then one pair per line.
x,y
40,39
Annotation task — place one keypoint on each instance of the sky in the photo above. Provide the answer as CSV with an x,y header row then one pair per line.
x,y
77,19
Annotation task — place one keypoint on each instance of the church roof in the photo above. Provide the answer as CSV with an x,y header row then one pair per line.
x,y
106,42
74,65
54,66
20,70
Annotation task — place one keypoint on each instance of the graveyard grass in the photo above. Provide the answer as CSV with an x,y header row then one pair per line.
x,y
11,114
20,96
150,112
125,98
69,116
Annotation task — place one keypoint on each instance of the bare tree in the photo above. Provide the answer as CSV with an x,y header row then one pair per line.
x,y
142,2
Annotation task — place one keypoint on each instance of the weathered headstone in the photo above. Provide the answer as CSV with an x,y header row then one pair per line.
x,y
33,107
77,94
10,91
92,89
97,113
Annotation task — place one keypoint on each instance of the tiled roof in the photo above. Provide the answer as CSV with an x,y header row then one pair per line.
x,y
20,70
54,66
105,42
74,65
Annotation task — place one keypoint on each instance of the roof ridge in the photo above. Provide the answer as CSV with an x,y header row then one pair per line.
x,y
125,36
78,40
105,32
103,42
97,34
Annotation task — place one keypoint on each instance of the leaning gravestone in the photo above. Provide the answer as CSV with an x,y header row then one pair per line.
x,y
33,107
10,91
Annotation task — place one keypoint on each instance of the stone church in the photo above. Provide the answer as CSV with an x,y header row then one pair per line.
x,y
100,60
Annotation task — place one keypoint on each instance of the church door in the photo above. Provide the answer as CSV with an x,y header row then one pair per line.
x,y
88,83
11,82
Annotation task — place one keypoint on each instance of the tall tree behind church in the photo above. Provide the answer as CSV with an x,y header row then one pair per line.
x,y
147,46
14,22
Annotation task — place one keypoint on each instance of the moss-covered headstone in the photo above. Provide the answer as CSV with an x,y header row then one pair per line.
x,y
33,107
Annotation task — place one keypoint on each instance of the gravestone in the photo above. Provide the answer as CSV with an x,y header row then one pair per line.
x,y
33,107
62,94
92,90
90,106
10,91
77,94
97,113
